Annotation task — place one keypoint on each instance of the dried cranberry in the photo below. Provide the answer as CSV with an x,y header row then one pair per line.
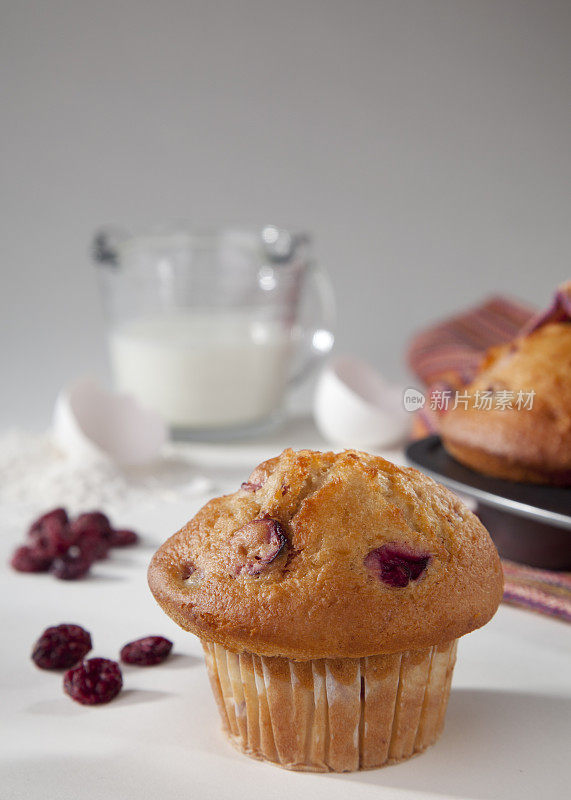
x,y
57,515
122,538
49,535
256,545
92,520
91,533
396,565
61,647
146,652
72,565
51,538
93,682
27,559
92,545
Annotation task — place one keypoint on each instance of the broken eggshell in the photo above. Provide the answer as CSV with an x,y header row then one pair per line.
x,y
355,407
92,423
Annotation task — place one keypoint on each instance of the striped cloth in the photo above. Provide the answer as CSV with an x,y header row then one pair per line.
x,y
446,357
538,589
455,347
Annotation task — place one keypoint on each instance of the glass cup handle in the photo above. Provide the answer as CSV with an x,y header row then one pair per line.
x,y
105,246
314,335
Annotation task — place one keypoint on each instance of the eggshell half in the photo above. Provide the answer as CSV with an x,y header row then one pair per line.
x,y
355,407
92,423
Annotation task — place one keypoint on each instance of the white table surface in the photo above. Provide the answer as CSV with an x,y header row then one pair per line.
x,y
508,728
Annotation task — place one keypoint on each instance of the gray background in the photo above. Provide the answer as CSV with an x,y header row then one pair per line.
x,y
426,145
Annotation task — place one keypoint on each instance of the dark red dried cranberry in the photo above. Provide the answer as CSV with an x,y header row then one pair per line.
x,y
91,533
51,538
396,565
49,535
61,647
57,515
146,652
93,682
92,545
122,538
92,520
72,565
27,559
256,545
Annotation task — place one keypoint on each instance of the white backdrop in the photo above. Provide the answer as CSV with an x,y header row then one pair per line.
x,y
424,142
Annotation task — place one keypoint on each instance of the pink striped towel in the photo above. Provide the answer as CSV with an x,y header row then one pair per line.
x,y
538,589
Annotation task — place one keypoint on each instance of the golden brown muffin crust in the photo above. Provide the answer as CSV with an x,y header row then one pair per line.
x,y
318,599
519,444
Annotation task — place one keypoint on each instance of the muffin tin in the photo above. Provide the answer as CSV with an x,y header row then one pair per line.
x,y
529,523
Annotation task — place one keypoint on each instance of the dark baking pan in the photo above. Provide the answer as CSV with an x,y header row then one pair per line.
x,y
528,522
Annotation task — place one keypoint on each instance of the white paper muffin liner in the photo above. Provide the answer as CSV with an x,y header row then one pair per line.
x,y
332,715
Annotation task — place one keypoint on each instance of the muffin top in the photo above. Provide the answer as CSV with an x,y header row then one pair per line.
x,y
324,555
537,439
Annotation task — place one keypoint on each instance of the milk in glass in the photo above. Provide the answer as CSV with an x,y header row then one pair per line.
x,y
204,369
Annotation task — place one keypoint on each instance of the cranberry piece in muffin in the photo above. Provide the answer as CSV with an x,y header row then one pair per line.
x,y
191,575
256,545
61,646
250,486
187,570
93,682
259,476
396,565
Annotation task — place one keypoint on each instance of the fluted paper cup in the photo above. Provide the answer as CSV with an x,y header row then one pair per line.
x,y
332,715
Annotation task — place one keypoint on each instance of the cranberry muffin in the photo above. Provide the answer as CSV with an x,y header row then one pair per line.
x,y
529,437
329,592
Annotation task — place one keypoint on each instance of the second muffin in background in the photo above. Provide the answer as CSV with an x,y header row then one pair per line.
x,y
515,422
329,592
